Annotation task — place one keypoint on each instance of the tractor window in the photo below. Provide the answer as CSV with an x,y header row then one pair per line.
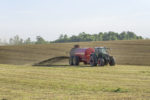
x,y
103,50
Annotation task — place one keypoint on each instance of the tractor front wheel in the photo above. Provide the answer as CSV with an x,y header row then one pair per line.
x,y
100,62
112,61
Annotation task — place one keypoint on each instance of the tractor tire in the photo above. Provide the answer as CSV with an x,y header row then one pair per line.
x,y
112,61
71,61
100,62
106,62
76,60
93,60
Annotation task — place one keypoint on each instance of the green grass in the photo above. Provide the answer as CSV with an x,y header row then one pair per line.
x,y
121,82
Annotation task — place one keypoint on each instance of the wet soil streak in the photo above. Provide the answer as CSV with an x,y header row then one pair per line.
x,y
51,61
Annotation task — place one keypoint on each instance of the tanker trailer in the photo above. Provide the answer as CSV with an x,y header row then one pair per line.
x,y
78,55
93,56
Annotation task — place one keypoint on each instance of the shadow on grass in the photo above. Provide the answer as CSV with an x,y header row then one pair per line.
x,y
115,90
62,66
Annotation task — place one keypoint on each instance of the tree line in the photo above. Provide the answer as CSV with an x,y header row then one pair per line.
x,y
16,40
102,36
82,37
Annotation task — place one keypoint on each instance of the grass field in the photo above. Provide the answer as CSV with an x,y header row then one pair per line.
x,y
128,80
131,52
122,82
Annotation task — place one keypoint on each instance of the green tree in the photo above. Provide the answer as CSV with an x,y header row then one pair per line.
x,y
28,41
100,36
112,35
106,36
139,37
61,37
16,40
123,36
40,40
65,39
75,39
83,36
131,35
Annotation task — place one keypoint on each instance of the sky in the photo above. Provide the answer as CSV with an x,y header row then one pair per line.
x,y
50,18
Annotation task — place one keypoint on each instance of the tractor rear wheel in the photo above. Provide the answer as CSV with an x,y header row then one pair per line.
x,y
100,62
112,61
76,60
93,60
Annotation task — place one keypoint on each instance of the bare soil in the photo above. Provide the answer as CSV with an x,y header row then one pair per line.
x,y
128,52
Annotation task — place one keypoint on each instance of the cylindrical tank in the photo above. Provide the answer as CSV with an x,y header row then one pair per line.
x,y
82,53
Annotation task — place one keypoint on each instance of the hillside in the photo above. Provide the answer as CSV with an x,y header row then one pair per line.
x,y
133,52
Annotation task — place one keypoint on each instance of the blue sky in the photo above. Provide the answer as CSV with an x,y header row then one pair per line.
x,y
50,18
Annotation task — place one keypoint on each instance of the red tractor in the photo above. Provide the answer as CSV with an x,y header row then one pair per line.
x,y
93,56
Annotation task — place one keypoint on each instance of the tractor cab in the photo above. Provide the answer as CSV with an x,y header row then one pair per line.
x,y
101,50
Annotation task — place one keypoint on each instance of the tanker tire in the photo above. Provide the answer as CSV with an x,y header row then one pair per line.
x,y
101,62
93,60
71,61
76,60
112,61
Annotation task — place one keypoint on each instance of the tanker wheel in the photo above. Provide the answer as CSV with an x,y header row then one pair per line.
x,y
71,60
100,62
76,60
112,61
93,60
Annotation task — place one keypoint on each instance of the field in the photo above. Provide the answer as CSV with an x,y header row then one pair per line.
x,y
128,80
122,82
134,52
